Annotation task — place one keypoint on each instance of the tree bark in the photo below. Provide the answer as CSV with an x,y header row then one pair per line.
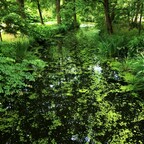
x,y
140,21
0,35
75,17
40,12
108,17
58,11
138,5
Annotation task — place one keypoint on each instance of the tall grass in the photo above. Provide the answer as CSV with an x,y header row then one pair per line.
x,y
17,49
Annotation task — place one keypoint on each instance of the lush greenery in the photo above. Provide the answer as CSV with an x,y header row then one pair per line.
x,y
64,84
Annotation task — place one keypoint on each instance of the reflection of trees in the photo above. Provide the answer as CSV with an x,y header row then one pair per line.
x,y
71,101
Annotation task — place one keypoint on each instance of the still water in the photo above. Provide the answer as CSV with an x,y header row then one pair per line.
x,y
66,89
77,98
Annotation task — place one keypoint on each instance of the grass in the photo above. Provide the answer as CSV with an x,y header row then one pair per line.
x,y
12,38
39,29
17,47
8,37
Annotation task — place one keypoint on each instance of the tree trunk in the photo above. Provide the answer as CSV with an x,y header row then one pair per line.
x,y
128,17
107,17
21,8
40,12
0,35
58,11
75,17
137,11
140,21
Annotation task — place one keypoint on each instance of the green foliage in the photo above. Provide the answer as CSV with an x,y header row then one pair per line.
x,y
90,91
15,66
18,69
131,71
17,50
11,21
120,45
136,45
114,46
31,14
14,75
67,13
69,9
42,33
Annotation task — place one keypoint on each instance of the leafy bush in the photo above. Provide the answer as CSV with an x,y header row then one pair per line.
x,y
18,69
120,45
18,50
113,46
14,24
43,33
14,75
136,45
131,71
17,64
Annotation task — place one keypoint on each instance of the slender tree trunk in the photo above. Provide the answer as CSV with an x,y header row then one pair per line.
x,y
75,16
140,21
0,35
128,17
21,8
138,4
58,11
40,12
107,17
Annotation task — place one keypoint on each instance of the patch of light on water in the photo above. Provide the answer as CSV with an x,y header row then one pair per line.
x,y
97,68
51,86
74,137
85,139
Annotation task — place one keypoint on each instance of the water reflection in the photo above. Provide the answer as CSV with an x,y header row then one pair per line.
x,y
76,100
65,87
67,103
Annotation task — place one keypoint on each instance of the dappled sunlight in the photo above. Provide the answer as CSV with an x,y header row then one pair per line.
x,y
8,37
13,38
